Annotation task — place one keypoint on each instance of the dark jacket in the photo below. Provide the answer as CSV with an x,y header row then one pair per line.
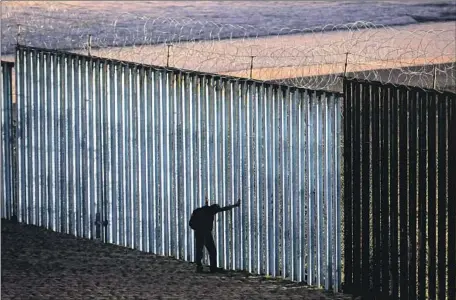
x,y
202,218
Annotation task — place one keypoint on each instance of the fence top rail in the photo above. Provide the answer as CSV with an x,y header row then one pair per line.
x,y
410,88
9,64
177,70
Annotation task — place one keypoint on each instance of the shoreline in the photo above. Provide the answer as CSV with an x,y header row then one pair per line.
x,y
304,32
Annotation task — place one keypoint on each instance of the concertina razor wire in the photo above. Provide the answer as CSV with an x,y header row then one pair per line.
x,y
313,58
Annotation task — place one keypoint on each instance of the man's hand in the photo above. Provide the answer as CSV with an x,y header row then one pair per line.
x,y
238,203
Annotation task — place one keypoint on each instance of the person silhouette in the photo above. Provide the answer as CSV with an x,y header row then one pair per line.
x,y
202,221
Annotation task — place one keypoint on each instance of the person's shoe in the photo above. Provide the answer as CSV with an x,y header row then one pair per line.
x,y
199,269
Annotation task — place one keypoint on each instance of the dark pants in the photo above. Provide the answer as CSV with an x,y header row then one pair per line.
x,y
204,238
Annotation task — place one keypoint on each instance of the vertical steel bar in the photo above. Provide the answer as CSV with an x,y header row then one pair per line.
x,y
157,146
432,187
41,139
142,159
311,189
28,94
168,159
172,134
260,180
63,195
151,101
279,184
303,182
269,185
121,77
4,136
274,187
219,165
211,151
227,153
348,182
105,150
136,167
394,192
194,160
244,183
56,149
412,193
21,122
251,132
422,195
70,163
91,198
137,187
114,100
442,196
77,74
127,197
48,140
188,195
329,180
296,202
179,169
451,198
285,177
384,101
403,193
366,191
34,125
337,192
376,188
356,190
98,143
85,66
320,201
163,160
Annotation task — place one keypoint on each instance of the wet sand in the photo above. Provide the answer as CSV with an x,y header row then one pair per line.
x,y
41,264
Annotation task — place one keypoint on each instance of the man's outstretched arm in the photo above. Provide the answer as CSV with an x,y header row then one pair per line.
x,y
229,207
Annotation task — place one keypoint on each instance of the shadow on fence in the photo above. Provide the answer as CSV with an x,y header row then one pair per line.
x,y
399,206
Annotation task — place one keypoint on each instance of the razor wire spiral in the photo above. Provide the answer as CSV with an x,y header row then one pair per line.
x,y
311,57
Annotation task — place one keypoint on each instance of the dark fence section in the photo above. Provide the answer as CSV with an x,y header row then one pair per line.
x,y
399,199
6,136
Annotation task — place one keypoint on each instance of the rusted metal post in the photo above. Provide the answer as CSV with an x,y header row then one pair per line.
x,y
346,63
434,79
251,66
167,57
89,45
18,34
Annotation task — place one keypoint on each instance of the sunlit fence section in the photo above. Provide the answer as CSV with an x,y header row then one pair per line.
x,y
125,152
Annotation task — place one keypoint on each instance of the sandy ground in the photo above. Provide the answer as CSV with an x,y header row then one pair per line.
x,y
303,55
41,264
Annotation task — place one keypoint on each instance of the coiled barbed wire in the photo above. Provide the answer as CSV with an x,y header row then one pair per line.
x,y
311,57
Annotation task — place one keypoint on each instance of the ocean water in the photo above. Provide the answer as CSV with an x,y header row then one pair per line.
x,y
68,27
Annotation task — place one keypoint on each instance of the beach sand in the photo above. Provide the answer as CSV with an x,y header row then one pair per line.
x,y
312,54
41,264
263,58
401,53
